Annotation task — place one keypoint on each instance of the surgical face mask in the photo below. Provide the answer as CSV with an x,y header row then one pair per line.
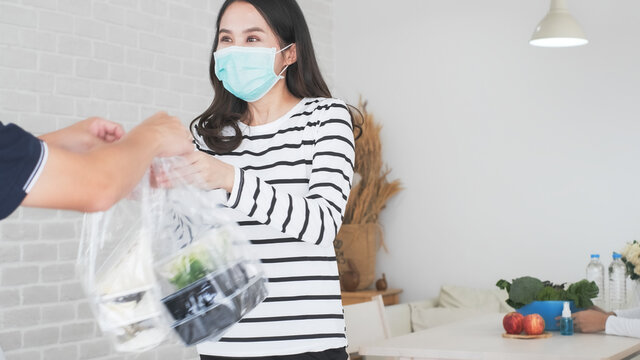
x,y
247,72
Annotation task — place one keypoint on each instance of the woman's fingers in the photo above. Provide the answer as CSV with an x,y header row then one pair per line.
x,y
590,321
189,171
185,171
197,169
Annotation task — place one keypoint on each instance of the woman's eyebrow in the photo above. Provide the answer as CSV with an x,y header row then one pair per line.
x,y
249,30
254,29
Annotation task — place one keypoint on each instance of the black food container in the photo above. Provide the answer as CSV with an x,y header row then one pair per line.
x,y
206,308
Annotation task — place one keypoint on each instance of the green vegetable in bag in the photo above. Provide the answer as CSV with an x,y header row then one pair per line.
x,y
191,266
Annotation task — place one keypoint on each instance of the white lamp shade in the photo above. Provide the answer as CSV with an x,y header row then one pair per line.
x,y
558,28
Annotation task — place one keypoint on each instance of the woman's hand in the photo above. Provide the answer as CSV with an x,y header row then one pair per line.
x,y
588,321
602,311
201,170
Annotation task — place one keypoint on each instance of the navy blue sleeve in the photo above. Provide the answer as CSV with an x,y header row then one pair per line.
x,y
22,155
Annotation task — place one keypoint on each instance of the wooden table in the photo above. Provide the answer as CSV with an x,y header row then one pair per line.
x,y
481,338
389,296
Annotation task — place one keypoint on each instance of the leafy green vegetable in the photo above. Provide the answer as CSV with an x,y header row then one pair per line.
x,y
550,293
505,285
555,286
192,266
582,292
527,289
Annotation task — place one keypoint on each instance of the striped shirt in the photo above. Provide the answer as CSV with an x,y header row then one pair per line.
x,y
292,179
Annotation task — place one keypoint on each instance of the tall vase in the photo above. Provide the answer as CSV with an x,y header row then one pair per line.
x,y
356,246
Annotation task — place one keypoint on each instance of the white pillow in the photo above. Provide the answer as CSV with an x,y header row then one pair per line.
x,y
485,300
424,318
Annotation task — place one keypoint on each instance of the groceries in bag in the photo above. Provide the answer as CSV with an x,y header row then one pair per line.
x,y
165,259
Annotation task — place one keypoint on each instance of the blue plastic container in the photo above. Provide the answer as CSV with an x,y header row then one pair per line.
x,y
549,310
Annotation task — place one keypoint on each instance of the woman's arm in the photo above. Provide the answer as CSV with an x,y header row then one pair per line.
x,y
314,217
616,325
95,180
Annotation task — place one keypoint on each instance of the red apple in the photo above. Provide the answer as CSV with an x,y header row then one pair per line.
x,y
533,324
512,323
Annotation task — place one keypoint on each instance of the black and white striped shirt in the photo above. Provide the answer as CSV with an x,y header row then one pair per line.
x,y
292,180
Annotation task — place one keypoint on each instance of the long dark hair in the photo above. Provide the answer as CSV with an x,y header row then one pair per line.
x,y
303,78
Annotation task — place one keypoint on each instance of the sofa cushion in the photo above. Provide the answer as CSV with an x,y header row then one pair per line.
x,y
424,318
485,300
457,303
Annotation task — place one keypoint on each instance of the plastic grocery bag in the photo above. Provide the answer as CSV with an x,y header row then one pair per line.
x,y
167,258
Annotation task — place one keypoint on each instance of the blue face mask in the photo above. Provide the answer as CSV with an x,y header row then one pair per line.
x,y
247,72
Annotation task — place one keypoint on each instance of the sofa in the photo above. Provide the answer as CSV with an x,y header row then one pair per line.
x,y
452,304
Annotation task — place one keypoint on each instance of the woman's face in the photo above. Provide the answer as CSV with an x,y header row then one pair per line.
x,y
243,25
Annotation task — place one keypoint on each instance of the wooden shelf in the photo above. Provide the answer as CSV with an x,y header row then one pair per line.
x,y
389,296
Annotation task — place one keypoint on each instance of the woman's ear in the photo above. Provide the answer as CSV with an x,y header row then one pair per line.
x,y
291,54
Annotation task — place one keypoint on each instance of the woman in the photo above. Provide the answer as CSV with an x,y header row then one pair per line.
x,y
283,149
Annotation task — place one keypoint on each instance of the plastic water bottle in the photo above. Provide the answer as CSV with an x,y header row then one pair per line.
x,y
595,272
617,283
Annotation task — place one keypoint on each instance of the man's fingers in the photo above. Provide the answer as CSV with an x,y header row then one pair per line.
x,y
112,131
111,137
106,130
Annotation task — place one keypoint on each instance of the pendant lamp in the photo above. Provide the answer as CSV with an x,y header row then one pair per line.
x,y
558,28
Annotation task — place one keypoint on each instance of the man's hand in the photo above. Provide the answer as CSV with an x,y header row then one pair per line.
x,y
95,180
104,130
85,135
171,136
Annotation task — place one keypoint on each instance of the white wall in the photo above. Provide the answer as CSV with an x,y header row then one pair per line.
x,y
516,160
61,61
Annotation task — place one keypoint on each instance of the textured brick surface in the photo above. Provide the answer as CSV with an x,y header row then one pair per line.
x,y
62,61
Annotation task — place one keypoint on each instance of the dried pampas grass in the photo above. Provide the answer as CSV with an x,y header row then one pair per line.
x,y
370,195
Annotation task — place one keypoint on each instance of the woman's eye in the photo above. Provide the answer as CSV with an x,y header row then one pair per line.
x,y
252,39
225,39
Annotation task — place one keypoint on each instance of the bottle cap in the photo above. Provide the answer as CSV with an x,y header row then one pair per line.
x,y
616,255
595,256
566,310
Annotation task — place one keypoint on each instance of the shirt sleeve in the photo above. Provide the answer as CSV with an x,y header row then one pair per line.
x,y
22,158
621,326
633,313
316,216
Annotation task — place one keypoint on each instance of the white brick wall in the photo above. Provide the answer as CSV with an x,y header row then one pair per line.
x,y
62,61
